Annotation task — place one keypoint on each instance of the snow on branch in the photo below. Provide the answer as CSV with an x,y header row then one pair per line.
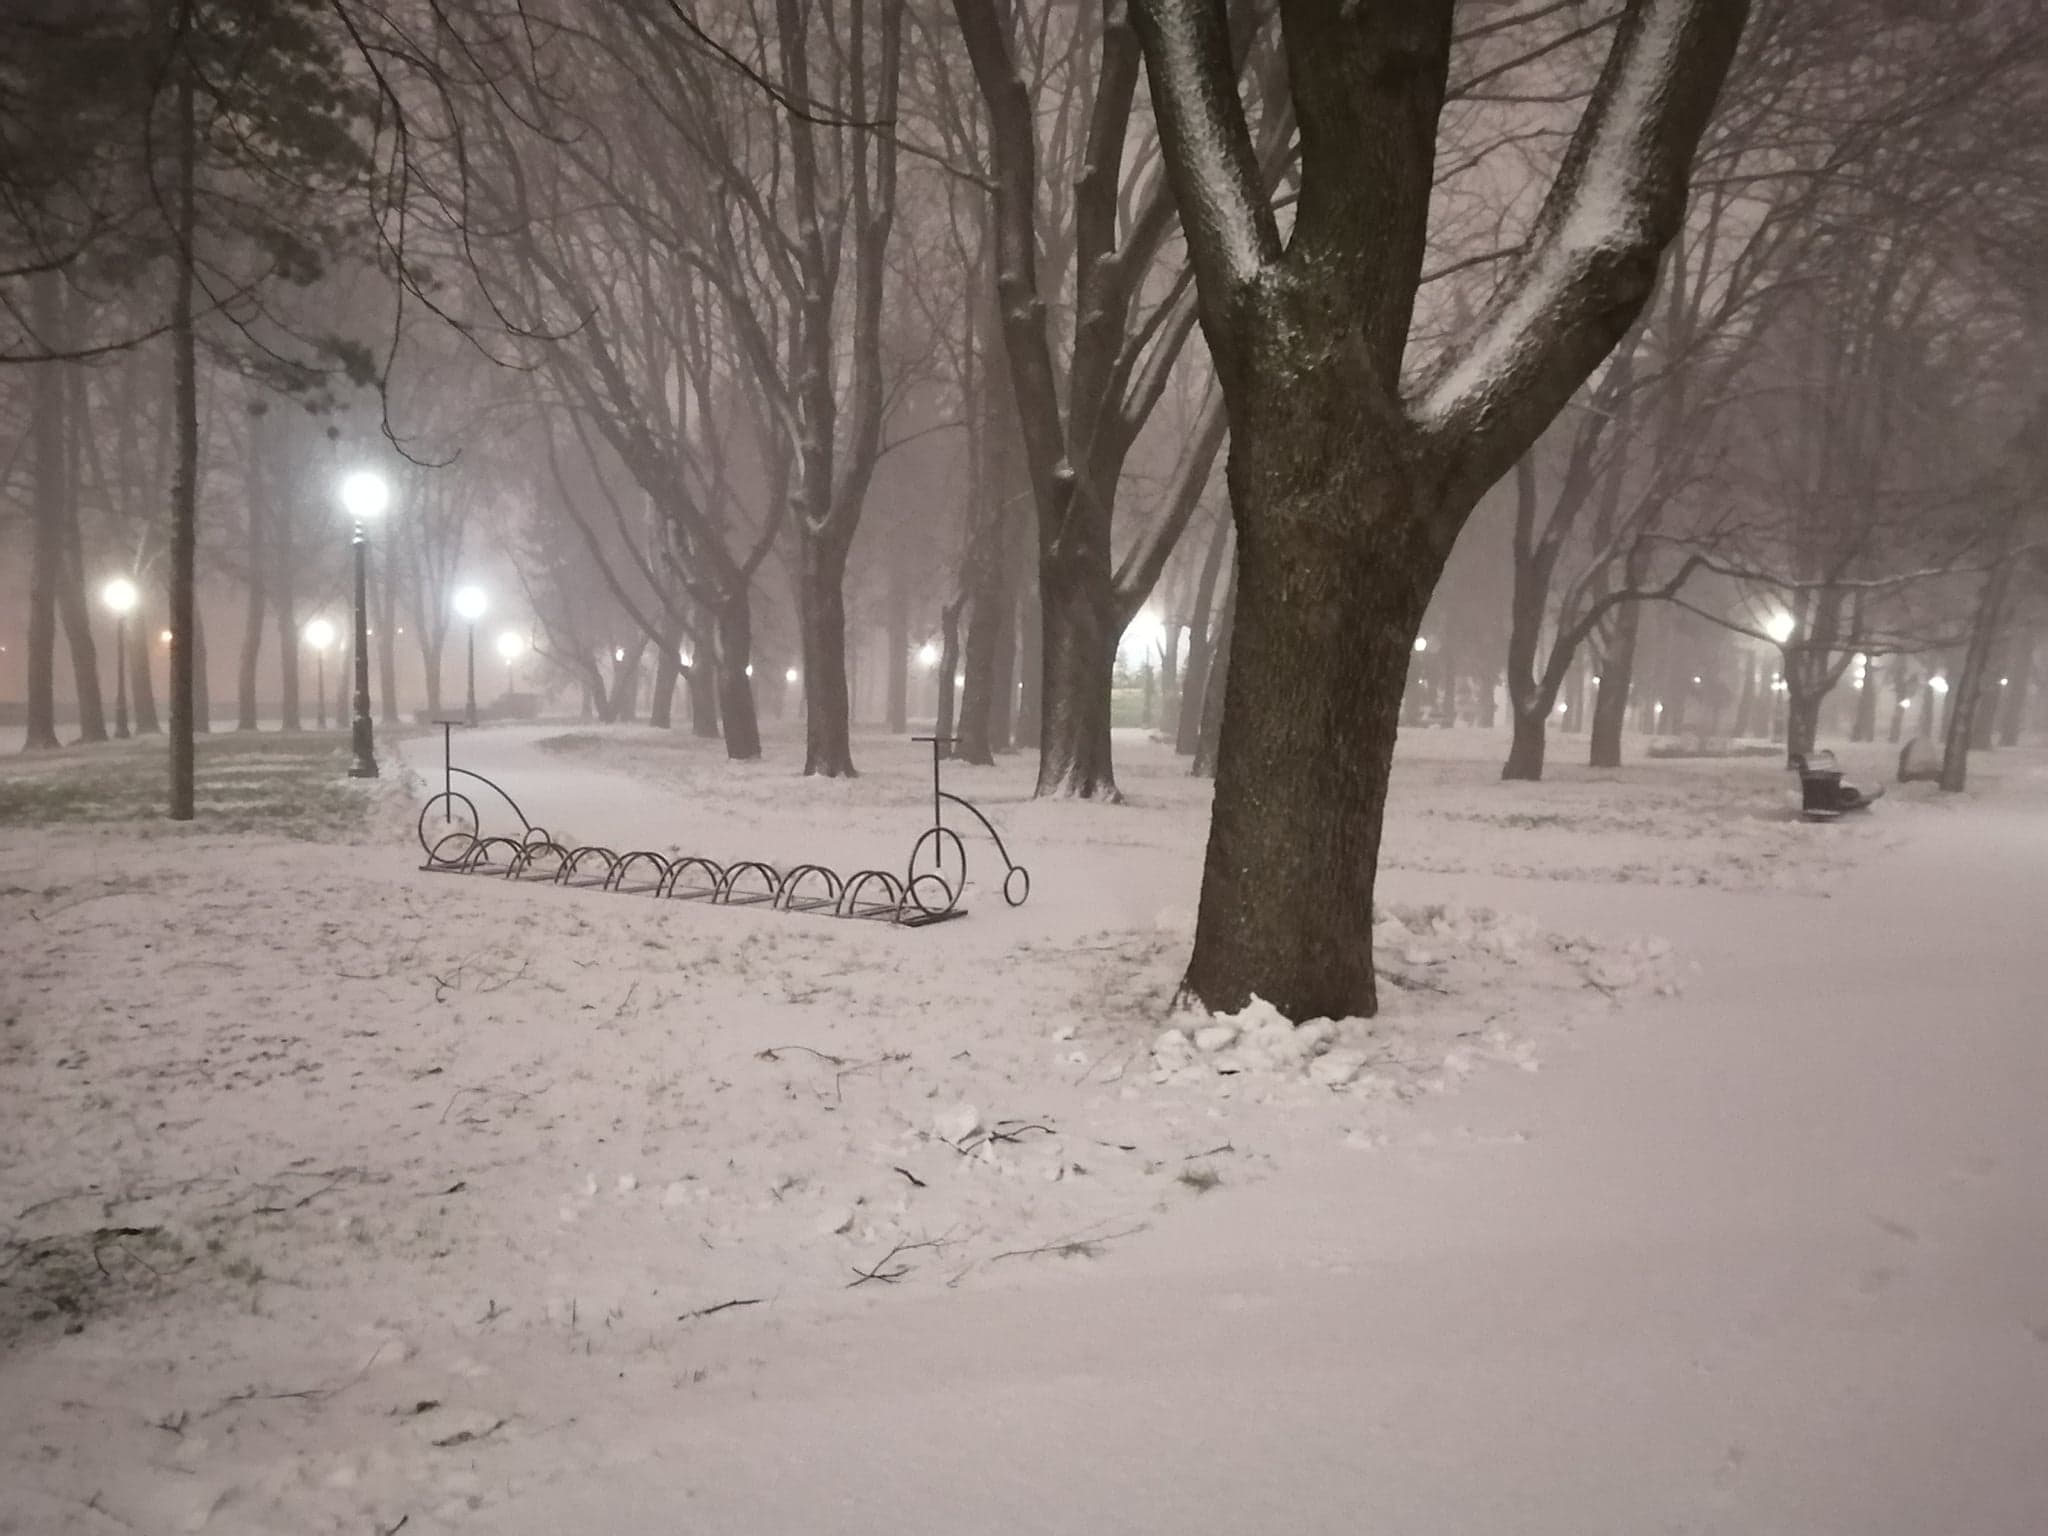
x,y
1231,232
1591,260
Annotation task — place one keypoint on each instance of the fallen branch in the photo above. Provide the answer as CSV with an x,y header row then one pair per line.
x,y
1077,1247
914,1179
737,1301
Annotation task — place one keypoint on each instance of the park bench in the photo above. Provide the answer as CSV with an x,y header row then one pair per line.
x,y
1823,794
928,891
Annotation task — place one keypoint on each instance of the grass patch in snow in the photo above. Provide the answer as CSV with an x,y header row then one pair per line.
x,y
293,785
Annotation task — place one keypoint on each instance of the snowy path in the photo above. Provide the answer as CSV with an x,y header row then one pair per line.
x,y
1774,1262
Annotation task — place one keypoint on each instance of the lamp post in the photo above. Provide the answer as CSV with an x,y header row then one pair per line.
x,y
470,604
119,595
364,496
510,646
320,635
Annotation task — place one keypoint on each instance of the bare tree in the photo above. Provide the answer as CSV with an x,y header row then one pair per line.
x,y
1348,489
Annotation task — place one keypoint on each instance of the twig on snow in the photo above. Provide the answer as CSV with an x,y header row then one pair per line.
x,y
737,1301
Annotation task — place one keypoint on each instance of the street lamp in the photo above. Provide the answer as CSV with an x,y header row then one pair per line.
x,y
119,595
364,496
511,646
1780,627
470,603
320,636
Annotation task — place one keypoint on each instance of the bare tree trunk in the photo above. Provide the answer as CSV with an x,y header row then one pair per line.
x,y
1211,732
1617,679
1865,726
898,644
257,490
46,558
668,667
1002,701
284,576
1526,743
202,676
141,676
2013,701
1966,694
949,662
75,609
1031,667
734,645
1202,626
702,682
1080,659
828,737
185,473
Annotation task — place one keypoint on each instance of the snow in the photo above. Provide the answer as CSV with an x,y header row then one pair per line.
x,y
379,1195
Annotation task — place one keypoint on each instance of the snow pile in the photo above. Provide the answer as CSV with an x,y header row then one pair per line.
x,y
1448,975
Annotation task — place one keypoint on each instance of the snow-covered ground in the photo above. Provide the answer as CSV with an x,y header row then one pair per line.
x,y
1688,1182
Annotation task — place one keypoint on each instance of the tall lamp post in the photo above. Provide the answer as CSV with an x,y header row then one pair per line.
x,y
119,595
364,496
470,603
511,646
320,636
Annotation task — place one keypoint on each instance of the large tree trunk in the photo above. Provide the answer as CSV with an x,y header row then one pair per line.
x,y
1802,718
1617,680
1525,745
1079,666
74,604
733,641
1031,666
988,615
1322,633
828,737
185,470
46,557
202,675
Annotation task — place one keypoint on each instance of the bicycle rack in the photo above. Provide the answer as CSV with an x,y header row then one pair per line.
x,y
927,892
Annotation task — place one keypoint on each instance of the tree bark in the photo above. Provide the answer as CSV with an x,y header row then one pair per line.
x,y
668,668
141,674
185,471
734,642
46,558
1210,735
1080,659
828,736
1966,692
1526,744
1617,680
1201,642
949,663
258,572
1031,667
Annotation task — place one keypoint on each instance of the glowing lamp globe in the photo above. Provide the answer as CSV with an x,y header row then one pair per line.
x,y
364,495
119,595
319,634
1780,627
511,646
470,603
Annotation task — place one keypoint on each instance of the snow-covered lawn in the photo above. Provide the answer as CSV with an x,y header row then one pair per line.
x,y
1684,1183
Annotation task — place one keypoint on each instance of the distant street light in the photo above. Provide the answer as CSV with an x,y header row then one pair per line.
x,y
511,646
791,675
928,655
364,496
1780,627
1938,684
1421,644
119,595
470,604
320,636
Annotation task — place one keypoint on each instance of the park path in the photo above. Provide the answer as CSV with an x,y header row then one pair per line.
x,y
1772,1258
